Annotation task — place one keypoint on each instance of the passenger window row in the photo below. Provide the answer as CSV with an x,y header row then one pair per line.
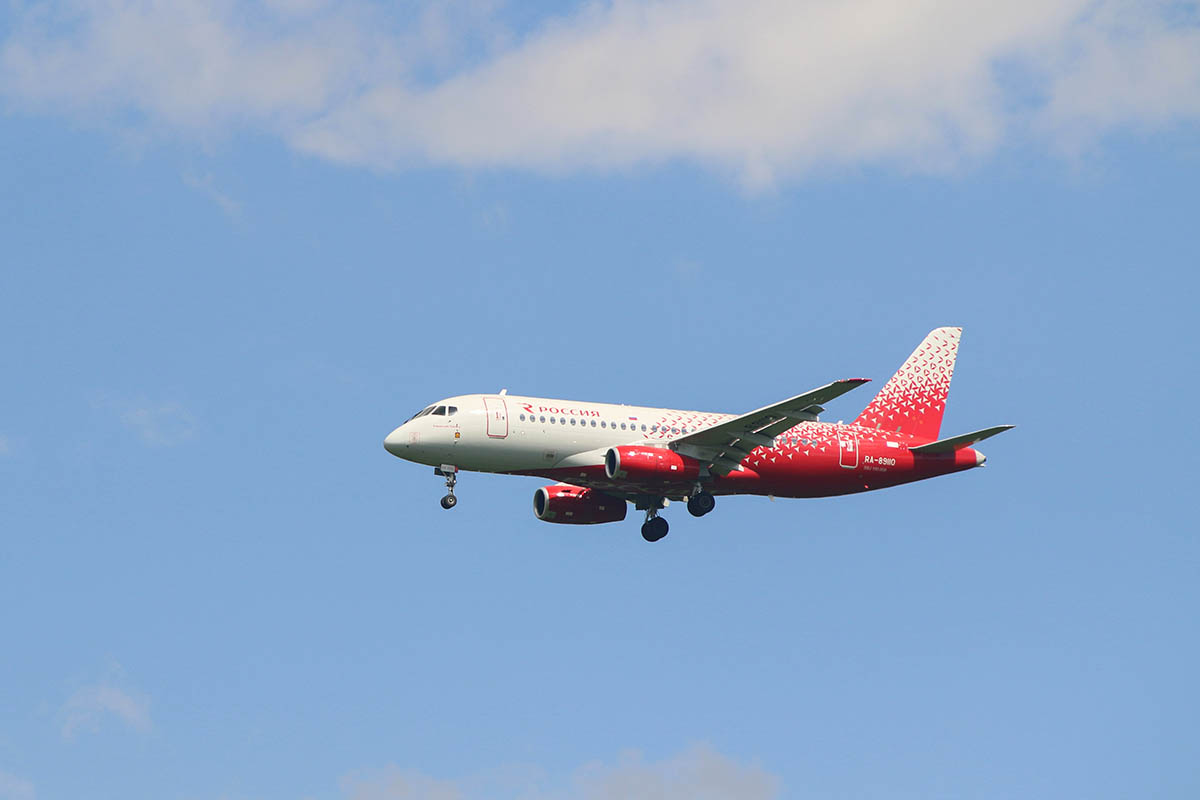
x,y
631,426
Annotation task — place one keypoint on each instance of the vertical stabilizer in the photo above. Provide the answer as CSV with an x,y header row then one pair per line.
x,y
914,399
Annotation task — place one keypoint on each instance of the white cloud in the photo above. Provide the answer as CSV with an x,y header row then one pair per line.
x,y
88,706
761,88
699,773
14,788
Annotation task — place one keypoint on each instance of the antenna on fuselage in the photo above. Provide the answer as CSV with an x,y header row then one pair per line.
x,y
503,392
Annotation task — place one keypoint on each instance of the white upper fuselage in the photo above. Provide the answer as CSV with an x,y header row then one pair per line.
x,y
509,433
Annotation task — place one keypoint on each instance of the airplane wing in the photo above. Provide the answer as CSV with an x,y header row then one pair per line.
x,y
722,447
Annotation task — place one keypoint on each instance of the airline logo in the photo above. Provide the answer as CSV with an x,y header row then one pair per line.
x,y
567,412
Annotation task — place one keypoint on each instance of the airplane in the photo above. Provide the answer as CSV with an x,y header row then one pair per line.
x,y
606,457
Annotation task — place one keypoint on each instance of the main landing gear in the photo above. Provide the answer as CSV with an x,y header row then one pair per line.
x,y
655,527
701,503
450,472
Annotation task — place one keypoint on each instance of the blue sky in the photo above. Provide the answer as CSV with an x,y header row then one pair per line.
x,y
220,293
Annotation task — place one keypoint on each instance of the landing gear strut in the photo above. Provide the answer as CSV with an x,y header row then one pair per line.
x,y
450,472
655,527
701,503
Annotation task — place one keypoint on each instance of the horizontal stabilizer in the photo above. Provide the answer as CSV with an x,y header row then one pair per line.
x,y
960,441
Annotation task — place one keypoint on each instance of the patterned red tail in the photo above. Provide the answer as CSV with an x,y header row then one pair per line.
x,y
914,399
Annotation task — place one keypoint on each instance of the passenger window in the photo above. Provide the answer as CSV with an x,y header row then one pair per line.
x,y
643,427
562,420
622,426
593,423
572,420
543,420
552,420
603,424
522,418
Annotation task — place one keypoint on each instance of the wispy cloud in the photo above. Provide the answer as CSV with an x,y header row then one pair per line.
x,y
156,423
86,709
699,773
160,425
394,783
206,185
111,696
765,89
14,788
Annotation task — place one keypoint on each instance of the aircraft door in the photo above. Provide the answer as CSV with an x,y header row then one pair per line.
x,y
497,417
847,448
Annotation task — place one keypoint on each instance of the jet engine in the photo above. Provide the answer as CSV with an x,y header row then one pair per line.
x,y
649,464
574,505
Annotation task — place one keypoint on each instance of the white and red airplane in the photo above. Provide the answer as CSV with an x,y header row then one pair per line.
x,y
607,456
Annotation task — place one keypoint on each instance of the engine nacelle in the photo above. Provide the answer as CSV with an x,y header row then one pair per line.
x,y
649,464
573,505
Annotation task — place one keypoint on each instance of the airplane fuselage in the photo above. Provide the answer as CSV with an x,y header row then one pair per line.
x,y
566,440
606,456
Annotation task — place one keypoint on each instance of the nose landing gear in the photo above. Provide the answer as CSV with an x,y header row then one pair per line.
x,y
450,472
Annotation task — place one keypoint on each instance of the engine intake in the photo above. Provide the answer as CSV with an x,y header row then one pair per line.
x,y
574,505
649,464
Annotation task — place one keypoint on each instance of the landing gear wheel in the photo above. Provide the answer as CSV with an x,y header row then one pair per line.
x,y
654,529
700,504
450,473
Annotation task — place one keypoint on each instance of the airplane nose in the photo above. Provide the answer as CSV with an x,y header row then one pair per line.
x,y
392,442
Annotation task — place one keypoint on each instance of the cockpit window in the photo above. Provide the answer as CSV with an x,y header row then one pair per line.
x,y
451,410
440,411
420,413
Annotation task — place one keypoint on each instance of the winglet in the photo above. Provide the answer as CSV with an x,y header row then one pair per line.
x,y
960,441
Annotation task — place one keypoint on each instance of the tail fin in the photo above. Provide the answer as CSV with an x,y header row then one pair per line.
x,y
915,397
